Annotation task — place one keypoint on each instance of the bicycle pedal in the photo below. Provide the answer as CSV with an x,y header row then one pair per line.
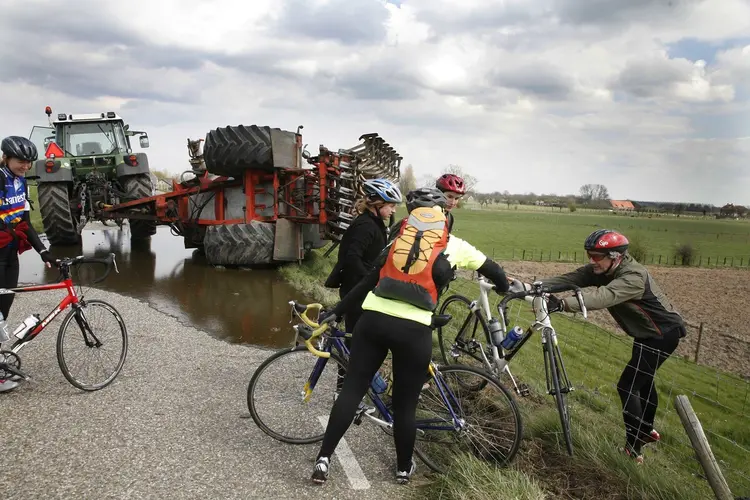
x,y
524,390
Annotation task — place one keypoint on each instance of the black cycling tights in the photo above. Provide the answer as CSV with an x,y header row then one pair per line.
x,y
636,386
8,277
411,345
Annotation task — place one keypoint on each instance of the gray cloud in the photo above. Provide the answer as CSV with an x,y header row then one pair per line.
x,y
490,18
651,77
345,21
609,12
540,80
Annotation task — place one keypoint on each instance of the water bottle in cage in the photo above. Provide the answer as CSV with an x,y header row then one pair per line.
x,y
496,332
510,340
27,325
379,385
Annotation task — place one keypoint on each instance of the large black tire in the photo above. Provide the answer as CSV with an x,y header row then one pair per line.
x,y
230,151
54,205
136,187
240,244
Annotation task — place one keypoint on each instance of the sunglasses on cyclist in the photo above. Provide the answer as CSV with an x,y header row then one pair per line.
x,y
596,257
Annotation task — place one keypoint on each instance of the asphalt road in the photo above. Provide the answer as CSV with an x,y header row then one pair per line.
x,y
173,425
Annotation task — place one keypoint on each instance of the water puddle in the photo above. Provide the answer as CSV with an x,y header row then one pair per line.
x,y
238,306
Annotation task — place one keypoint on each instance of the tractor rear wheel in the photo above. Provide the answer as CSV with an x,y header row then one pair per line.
x,y
54,205
230,151
239,244
136,187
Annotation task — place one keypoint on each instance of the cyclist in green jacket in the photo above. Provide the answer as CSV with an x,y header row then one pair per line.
x,y
404,329
636,302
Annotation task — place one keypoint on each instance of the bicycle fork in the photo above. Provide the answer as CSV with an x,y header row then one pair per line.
x,y
553,361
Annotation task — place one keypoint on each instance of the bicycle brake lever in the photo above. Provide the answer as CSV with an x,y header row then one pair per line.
x,y
579,297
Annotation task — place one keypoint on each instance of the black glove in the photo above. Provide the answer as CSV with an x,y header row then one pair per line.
x,y
48,257
555,305
326,317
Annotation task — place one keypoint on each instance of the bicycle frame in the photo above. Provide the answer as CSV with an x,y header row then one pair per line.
x,y
71,299
541,323
333,340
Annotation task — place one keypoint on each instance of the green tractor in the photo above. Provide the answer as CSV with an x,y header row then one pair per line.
x,y
88,162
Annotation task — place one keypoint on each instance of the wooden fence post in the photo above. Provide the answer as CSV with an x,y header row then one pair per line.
x,y
702,448
698,344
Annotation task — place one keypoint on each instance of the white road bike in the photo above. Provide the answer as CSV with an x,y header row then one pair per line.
x,y
462,343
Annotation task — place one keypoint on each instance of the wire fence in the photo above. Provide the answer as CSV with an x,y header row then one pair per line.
x,y
579,256
595,357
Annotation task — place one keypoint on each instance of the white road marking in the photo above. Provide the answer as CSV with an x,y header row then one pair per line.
x,y
353,471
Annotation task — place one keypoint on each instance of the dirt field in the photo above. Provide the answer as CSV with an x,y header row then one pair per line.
x,y
716,297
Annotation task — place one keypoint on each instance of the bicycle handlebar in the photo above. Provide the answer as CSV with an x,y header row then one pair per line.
x,y
108,261
538,289
310,329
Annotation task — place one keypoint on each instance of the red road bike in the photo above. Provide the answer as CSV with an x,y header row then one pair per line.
x,y
113,349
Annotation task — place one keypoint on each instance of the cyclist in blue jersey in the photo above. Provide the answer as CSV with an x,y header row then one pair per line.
x,y
16,233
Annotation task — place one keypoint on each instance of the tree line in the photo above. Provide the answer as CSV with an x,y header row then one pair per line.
x,y
588,196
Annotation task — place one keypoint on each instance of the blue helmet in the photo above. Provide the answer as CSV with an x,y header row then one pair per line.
x,y
383,189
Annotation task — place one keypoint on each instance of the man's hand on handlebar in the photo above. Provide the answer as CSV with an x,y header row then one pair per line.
x,y
555,305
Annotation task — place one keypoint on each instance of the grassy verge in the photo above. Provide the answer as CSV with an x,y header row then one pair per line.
x,y
309,276
594,359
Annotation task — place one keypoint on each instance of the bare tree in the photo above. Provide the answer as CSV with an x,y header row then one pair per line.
x,y
601,193
469,180
587,192
426,181
408,181
594,193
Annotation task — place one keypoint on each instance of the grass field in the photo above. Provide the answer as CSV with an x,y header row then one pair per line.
x,y
594,358
506,234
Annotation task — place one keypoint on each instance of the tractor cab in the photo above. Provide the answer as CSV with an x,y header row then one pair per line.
x,y
94,134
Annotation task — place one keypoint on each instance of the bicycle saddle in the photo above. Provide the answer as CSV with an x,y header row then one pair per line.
x,y
439,320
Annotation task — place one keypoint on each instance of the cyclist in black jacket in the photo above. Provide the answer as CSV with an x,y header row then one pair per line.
x,y
363,240
362,243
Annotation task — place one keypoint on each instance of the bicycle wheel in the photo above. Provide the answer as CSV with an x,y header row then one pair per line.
x,y
492,428
107,343
458,340
552,363
277,389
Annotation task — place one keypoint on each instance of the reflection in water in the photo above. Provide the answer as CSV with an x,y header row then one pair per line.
x,y
239,306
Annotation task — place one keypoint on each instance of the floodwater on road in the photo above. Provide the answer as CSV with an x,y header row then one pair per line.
x,y
236,305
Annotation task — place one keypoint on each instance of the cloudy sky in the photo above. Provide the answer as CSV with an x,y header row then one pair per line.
x,y
648,97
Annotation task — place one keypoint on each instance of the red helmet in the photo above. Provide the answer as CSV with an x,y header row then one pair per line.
x,y
606,240
451,182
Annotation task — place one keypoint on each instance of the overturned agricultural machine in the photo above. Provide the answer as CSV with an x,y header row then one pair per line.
x,y
255,196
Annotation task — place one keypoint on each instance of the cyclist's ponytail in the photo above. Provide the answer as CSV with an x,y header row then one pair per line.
x,y
363,204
